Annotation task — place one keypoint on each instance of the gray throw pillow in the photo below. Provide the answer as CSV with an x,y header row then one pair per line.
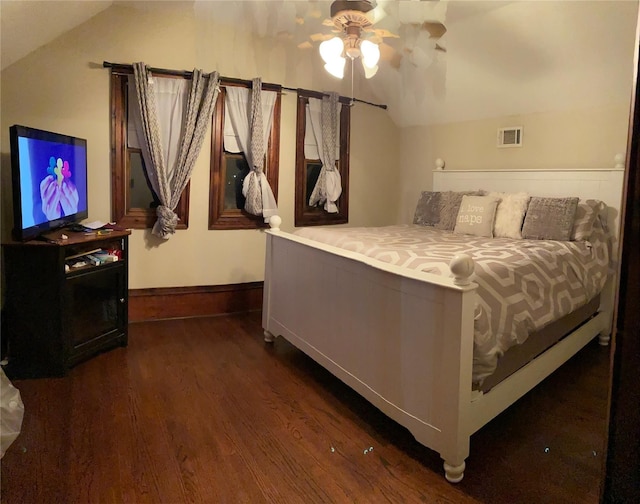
x,y
449,206
586,215
428,209
549,218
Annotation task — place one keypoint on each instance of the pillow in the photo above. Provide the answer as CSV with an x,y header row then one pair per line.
x,y
549,218
586,214
428,209
510,214
476,215
449,206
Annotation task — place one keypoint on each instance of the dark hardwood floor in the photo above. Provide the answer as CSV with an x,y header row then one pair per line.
x,y
201,410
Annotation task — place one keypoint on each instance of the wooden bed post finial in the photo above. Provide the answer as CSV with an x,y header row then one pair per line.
x,y
462,268
439,164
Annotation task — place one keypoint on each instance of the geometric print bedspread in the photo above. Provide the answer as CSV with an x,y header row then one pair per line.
x,y
523,285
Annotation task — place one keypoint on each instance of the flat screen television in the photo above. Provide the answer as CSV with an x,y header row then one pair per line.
x,y
49,176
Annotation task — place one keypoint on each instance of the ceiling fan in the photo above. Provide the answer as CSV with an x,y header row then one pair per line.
x,y
355,36
351,19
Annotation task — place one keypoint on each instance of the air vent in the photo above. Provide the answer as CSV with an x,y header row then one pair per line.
x,y
510,137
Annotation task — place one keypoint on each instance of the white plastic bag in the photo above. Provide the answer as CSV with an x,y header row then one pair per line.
x,y
11,413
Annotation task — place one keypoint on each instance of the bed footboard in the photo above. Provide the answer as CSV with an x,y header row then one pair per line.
x,y
381,330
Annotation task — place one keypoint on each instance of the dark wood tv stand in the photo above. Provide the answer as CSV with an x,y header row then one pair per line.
x,y
58,313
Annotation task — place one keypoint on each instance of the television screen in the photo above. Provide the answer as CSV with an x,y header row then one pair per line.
x,y
49,173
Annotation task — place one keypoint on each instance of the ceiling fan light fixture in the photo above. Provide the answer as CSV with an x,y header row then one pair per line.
x,y
370,53
336,67
331,49
352,52
369,71
352,45
350,17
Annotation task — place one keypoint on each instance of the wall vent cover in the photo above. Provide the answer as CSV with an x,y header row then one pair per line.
x,y
510,137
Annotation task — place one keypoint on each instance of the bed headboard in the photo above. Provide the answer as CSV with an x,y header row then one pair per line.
x,y
603,184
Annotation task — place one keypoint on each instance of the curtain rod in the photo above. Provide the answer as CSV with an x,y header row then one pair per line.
x,y
187,75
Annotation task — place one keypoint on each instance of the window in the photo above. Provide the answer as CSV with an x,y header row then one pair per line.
x,y
228,169
133,201
307,170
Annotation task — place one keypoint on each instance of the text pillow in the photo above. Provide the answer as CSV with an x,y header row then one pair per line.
x,y
549,218
476,215
510,214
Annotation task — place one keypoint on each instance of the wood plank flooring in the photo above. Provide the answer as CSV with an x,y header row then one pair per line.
x,y
203,411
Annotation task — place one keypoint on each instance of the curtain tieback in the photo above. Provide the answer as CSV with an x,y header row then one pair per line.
x,y
166,223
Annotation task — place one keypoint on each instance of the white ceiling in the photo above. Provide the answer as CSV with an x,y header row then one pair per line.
x,y
502,56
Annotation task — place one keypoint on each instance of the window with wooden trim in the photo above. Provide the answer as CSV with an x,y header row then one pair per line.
x,y
133,201
308,169
228,169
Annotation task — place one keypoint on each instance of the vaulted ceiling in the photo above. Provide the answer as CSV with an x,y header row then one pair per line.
x,y
26,25
501,57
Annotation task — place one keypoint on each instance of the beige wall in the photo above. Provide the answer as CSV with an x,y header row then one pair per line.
x,y
583,138
63,87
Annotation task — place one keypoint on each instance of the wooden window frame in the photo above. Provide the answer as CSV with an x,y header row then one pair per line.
x,y
135,218
219,218
306,215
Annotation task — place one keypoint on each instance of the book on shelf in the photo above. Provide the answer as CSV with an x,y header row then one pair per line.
x,y
88,252
94,257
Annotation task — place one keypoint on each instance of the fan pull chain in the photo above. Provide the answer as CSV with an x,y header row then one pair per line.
x,y
352,78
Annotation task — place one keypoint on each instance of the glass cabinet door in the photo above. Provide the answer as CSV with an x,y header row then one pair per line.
x,y
94,304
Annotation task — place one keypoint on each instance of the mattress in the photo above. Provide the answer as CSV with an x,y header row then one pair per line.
x,y
519,355
523,285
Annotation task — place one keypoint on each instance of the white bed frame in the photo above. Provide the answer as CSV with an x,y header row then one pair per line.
x,y
404,339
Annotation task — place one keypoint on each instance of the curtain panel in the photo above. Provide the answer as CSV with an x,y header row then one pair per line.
x,y
247,127
324,117
171,121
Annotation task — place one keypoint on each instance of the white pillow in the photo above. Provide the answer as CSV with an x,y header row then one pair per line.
x,y
510,214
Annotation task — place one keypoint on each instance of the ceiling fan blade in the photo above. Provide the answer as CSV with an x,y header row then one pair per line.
x,y
305,45
320,37
435,28
383,33
440,48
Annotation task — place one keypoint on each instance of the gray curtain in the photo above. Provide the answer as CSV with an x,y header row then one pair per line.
x,y
169,181
256,189
328,187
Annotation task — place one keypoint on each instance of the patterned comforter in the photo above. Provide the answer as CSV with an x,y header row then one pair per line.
x,y
523,285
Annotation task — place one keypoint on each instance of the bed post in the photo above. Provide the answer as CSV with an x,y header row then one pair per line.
x,y
274,224
456,436
608,296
